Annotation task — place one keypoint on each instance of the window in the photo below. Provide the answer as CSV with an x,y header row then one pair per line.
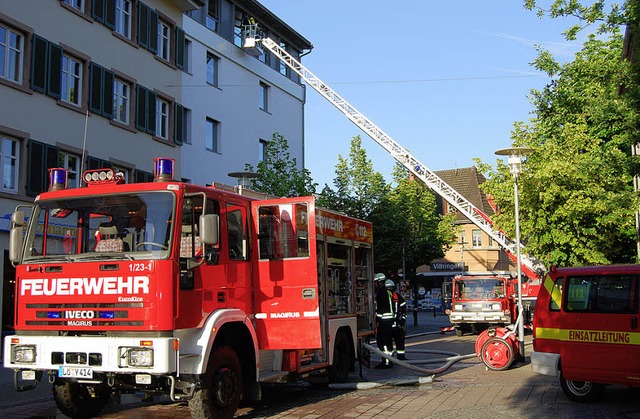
x,y
284,70
76,4
283,234
213,15
9,152
71,81
162,118
121,94
164,40
212,69
262,150
211,135
604,294
555,303
123,18
476,238
70,162
11,54
263,99
237,232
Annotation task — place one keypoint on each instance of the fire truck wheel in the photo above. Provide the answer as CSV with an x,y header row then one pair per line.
x,y
581,391
497,354
342,358
219,396
77,401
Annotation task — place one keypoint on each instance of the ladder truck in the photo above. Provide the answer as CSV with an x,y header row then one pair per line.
x,y
253,42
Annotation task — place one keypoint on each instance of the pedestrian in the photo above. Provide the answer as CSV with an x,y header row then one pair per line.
x,y
385,320
399,306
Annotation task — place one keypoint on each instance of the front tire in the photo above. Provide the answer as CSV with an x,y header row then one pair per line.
x,y
221,389
80,401
581,391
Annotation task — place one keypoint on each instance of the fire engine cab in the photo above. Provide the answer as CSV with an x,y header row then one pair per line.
x,y
197,293
586,329
481,301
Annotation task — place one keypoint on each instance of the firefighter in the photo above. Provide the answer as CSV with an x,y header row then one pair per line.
x,y
399,306
385,319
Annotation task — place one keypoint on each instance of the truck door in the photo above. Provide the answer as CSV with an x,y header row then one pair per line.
x,y
285,280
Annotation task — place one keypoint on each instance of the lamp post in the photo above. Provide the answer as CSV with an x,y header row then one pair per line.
x,y
515,164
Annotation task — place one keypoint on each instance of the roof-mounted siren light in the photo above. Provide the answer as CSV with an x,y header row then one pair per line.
x,y
244,179
250,40
163,169
58,178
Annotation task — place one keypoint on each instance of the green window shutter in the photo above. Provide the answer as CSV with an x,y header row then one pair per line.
x,y
143,25
39,64
141,108
54,87
153,31
110,14
107,94
98,10
151,112
95,88
181,49
179,124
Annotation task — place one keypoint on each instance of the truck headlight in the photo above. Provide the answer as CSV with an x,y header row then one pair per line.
x,y
140,357
457,306
23,354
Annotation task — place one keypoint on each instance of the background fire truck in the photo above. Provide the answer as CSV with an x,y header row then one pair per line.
x,y
481,301
198,293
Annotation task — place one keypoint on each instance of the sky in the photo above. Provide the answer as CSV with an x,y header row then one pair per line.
x,y
445,79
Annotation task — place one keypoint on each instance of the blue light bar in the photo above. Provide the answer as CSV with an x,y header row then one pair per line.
x,y
53,315
58,178
163,169
107,315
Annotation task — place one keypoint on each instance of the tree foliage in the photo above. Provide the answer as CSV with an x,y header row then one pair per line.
x,y
407,227
358,189
577,200
278,172
403,216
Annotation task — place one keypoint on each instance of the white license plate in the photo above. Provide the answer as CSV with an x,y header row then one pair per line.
x,y
75,372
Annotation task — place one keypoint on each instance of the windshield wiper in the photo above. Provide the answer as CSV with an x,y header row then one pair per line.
x,y
109,256
54,258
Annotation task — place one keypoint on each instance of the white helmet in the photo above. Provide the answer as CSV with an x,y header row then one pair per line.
x,y
389,284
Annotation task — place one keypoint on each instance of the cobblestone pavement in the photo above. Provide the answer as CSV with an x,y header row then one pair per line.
x,y
465,390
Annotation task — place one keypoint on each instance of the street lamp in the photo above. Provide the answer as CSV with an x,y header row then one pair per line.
x,y
515,164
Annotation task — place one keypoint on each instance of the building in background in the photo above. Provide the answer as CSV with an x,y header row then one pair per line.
x,y
474,251
114,83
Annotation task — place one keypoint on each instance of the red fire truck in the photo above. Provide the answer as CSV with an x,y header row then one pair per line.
x,y
480,301
198,293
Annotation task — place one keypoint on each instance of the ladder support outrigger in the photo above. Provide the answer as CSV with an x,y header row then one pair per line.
x,y
253,41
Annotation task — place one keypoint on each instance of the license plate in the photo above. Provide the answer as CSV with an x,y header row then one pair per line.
x,y
75,372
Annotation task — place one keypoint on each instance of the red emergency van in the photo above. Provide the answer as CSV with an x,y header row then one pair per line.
x,y
586,329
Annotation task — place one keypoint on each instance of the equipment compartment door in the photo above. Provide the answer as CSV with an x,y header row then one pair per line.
x,y
285,280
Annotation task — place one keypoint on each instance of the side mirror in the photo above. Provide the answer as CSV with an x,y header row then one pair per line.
x,y
209,229
16,236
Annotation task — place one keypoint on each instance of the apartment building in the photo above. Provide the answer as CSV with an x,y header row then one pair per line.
x,y
238,100
114,83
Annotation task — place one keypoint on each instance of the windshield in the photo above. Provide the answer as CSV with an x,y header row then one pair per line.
x,y
131,226
478,289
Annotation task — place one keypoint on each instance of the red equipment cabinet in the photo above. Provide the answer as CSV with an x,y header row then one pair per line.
x,y
198,293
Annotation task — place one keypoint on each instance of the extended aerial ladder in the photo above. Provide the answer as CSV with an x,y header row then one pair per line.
x,y
532,268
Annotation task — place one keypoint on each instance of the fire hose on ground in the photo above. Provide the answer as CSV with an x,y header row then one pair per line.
x,y
449,359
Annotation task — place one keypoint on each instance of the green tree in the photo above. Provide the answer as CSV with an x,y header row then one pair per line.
x,y
406,226
577,200
358,189
278,172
